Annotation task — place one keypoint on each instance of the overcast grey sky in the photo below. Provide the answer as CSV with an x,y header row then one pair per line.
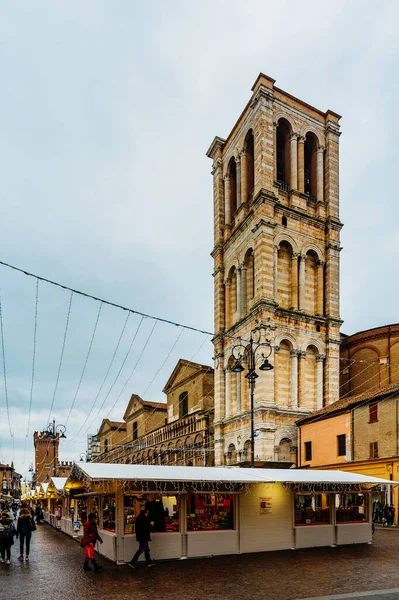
x,y
106,111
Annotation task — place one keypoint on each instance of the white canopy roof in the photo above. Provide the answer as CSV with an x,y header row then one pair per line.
x,y
44,487
132,472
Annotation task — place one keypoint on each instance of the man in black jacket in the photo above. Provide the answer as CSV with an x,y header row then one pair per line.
x,y
143,536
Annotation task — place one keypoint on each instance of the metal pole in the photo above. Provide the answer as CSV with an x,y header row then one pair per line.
x,y
252,390
252,386
54,455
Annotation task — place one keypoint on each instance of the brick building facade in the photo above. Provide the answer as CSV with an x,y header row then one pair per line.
x,y
178,431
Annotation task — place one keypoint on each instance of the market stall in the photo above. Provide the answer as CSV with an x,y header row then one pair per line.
x,y
204,511
57,507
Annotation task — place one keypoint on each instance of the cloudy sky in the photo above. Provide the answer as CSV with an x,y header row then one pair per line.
x,y
106,111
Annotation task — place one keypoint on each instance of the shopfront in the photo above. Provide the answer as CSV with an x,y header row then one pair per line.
x,y
206,511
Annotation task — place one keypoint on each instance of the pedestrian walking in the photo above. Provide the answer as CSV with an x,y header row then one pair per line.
x,y
39,513
7,532
143,536
25,526
90,537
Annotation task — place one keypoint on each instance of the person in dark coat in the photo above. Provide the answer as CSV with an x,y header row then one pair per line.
x,y
143,536
24,532
39,513
7,532
90,537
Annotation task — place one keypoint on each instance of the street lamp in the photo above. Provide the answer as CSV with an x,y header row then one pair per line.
x,y
84,457
241,352
55,432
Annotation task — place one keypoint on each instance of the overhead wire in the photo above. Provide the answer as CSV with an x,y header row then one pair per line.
x,y
164,362
136,312
128,309
120,369
33,366
62,355
85,363
5,371
106,374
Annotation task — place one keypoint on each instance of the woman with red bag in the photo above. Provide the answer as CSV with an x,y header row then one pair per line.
x,y
90,536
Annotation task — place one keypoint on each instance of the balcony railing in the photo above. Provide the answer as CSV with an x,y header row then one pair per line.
x,y
282,186
310,199
184,427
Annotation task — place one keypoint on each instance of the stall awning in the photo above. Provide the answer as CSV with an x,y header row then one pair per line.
x,y
108,471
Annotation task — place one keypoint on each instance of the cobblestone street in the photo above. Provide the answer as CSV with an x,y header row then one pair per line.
x,y
55,571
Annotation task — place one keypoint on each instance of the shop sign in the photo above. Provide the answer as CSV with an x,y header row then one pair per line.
x,y
265,506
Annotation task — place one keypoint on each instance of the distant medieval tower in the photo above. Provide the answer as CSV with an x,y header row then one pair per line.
x,y
276,258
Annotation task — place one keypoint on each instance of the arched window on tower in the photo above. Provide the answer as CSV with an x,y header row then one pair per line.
x,y
283,378
249,263
232,173
234,291
183,405
310,383
250,164
285,451
311,167
284,279
311,282
283,154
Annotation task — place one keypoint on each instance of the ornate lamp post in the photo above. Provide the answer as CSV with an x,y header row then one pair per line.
x,y
252,356
53,432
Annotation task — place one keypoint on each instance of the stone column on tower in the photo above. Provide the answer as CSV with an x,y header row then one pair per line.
x,y
294,280
301,164
320,174
319,381
301,378
243,291
294,161
302,265
238,393
227,373
275,272
294,378
227,303
238,183
227,192
244,181
320,287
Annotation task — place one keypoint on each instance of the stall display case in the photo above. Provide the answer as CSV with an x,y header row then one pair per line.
x,y
206,512
312,509
351,508
108,513
162,511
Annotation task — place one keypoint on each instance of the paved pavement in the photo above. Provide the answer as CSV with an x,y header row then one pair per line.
x,y
55,572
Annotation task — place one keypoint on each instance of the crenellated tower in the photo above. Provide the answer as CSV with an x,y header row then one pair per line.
x,y
276,269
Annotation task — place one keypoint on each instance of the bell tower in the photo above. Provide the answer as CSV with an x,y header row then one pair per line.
x,y
276,271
